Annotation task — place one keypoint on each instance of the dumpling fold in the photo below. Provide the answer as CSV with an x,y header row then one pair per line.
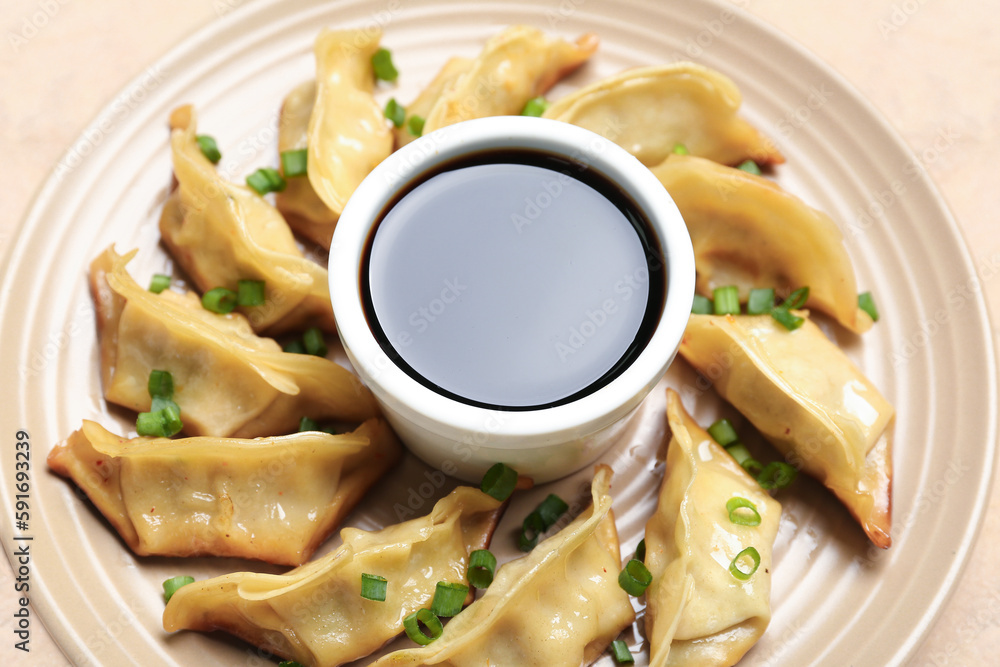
x,y
228,381
561,605
806,397
271,499
315,614
697,611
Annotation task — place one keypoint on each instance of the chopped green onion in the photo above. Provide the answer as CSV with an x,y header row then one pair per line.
x,y
160,402
761,301
734,566
536,106
329,429
742,512
159,282
551,509
415,126
373,587
722,432
448,598
531,529
266,179
382,64
171,585
294,347
681,149
426,618
702,305
250,293
738,451
753,467
787,319
619,649
395,112
161,383
866,302
209,148
640,550
313,342
727,300
635,578
750,167
172,419
307,424
499,481
777,475
482,566
219,300
163,423
295,162
796,299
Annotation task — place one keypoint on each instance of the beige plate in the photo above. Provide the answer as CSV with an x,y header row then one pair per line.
x,y
836,601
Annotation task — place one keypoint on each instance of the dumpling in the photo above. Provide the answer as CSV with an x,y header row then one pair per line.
x,y
559,605
514,66
649,110
271,499
747,231
697,611
315,614
424,102
806,397
228,381
221,233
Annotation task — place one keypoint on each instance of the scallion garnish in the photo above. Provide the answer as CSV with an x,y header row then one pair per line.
x,y
308,424
750,167
635,578
499,481
531,529
619,649
427,619
761,301
266,179
740,573
448,598
209,148
295,162
786,318
171,585
482,566
219,300
866,302
722,432
312,341
160,384
727,300
373,587
164,417
536,106
382,64
752,466
640,550
702,305
796,299
395,112
159,282
681,149
777,475
250,293
294,347
551,509
415,125
742,512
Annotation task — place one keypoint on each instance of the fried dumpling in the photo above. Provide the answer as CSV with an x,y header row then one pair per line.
x,y
559,605
806,397
749,232
421,106
697,611
272,499
228,381
514,66
649,110
221,233
315,614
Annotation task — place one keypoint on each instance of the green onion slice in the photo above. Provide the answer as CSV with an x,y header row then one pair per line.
x,y
619,649
219,300
171,585
786,318
482,566
738,451
448,598
313,342
727,300
266,179
250,293
415,125
742,512
395,112
172,420
761,301
681,149
294,347
796,299
640,550
753,467
499,481
702,305
722,432
536,106
866,302
740,573
308,424
750,167
426,618
551,509
777,475
161,383
373,587
159,282
531,529
209,148
295,162
635,578
162,423
160,402
382,64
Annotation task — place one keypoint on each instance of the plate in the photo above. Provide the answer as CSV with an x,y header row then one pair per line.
x,y
836,600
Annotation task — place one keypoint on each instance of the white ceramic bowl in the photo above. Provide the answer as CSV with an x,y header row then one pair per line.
x,y
464,440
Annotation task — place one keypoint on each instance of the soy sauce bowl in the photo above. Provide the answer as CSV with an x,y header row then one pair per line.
x,y
461,433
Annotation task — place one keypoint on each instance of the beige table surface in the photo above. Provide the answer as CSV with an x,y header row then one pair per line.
x,y
932,68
